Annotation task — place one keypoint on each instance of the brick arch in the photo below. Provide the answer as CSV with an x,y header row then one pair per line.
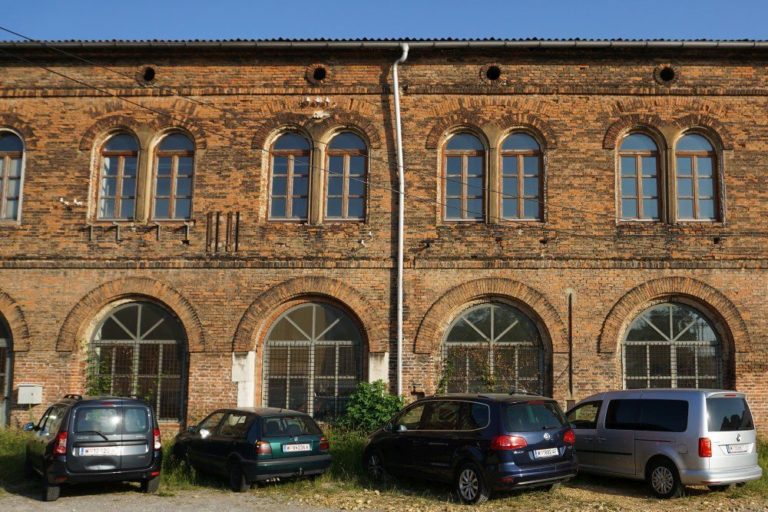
x,y
79,319
104,125
709,125
541,128
15,123
354,121
446,123
625,123
254,322
711,299
13,315
429,337
188,127
281,120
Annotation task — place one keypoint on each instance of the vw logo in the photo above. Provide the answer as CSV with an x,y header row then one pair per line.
x,y
738,438
547,437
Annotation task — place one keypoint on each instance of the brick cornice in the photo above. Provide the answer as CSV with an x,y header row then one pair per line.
x,y
717,306
259,315
14,317
432,328
74,331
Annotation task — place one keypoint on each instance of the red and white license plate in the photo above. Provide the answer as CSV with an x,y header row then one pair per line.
x,y
99,451
547,452
303,447
737,448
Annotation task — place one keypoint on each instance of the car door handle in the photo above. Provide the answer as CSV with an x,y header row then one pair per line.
x,y
601,439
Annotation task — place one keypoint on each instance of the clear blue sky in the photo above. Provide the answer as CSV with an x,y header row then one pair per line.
x,y
223,19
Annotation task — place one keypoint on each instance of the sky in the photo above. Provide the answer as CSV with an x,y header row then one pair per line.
x,y
510,19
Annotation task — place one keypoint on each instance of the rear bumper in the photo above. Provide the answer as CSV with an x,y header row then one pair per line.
x,y
259,470
510,475
720,476
57,473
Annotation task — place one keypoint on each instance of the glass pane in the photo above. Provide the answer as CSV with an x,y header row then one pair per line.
x,y
520,141
122,142
303,317
475,209
531,165
694,142
635,361
278,361
708,361
348,361
284,330
335,186
126,209
707,209
531,186
660,360
108,187
649,165
480,318
629,209
163,187
531,209
177,142
686,362
300,186
463,332
278,208
629,187
706,187
464,141
336,165
276,389
183,209
684,187
279,166
164,166
298,394
129,187
10,142
628,166
510,208
291,141
183,187
11,208
334,207
161,209
511,325
650,208
356,187
347,140
637,142
649,187
641,330
475,165
301,166
356,208
129,167
509,186
453,166
107,209
110,166
149,359
325,362
300,208
171,360
279,186
509,165
475,186
453,209
185,166
704,166
684,166
685,208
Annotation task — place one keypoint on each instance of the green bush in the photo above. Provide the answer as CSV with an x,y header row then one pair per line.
x,y
370,406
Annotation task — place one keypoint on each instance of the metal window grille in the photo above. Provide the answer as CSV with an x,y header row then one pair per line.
x,y
138,349
671,346
316,370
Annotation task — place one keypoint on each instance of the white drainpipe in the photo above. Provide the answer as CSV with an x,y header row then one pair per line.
x,y
400,219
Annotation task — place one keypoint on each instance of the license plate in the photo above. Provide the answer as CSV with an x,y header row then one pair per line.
x,y
737,448
97,451
304,447
548,452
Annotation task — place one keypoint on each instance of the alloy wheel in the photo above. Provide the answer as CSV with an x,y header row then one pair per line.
x,y
662,480
468,484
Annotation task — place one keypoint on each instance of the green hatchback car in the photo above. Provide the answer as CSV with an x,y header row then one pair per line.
x,y
250,445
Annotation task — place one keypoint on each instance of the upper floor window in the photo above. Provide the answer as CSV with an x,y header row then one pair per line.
x,y
639,186
696,181
464,177
289,191
174,165
347,166
117,179
521,177
11,153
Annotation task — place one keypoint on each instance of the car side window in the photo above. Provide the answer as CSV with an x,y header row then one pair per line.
x,y
211,422
474,416
53,419
43,421
235,425
585,415
443,415
623,414
411,419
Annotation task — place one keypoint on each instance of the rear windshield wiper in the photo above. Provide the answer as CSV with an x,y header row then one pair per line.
x,y
93,432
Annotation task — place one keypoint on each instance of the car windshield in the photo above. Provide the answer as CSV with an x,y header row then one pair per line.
x,y
289,426
532,416
102,420
728,414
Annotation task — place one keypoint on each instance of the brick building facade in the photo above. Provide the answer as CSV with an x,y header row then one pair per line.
x,y
529,260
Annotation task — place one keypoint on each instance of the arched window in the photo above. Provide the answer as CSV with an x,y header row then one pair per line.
x,y
696,178
521,177
493,347
672,345
347,170
138,349
117,179
464,177
639,170
5,371
289,191
312,360
174,166
11,153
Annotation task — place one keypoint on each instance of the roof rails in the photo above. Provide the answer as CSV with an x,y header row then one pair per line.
x,y
73,396
522,391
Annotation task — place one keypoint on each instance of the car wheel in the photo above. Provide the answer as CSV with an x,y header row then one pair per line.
x,y
237,481
51,492
150,485
470,485
374,467
664,480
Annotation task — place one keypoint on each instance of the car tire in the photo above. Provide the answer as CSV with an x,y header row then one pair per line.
x,y
470,485
237,480
374,467
150,485
664,480
51,492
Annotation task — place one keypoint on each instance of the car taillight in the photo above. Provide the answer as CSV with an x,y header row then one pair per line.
x,y
705,447
324,444
508,443
569,437
263,448
60,448
156,436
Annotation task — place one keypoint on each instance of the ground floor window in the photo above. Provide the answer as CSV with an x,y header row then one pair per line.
x,y
672,345
138,350
493,347
312,360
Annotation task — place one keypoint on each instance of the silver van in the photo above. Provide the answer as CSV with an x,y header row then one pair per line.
x,y
668,437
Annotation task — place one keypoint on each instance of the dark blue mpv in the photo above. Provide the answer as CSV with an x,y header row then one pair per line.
x,y
479,443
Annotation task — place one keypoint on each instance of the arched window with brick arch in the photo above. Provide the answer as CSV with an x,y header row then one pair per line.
x,y
174,169
289,187
313,357
464,163
696,171
139,349
11,175
672,345
346,177
639,178
118,172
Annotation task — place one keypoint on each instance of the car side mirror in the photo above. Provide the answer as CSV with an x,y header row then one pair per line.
x,y
388,427
192,429
204,433
28,427
401,428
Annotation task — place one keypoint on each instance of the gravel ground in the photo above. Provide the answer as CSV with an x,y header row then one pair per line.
x,y
591,494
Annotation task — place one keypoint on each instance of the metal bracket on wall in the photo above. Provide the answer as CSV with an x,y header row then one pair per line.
x,y
89,228
157,231
117,231
187,228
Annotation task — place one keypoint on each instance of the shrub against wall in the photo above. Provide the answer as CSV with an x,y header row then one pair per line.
x,y
370,406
